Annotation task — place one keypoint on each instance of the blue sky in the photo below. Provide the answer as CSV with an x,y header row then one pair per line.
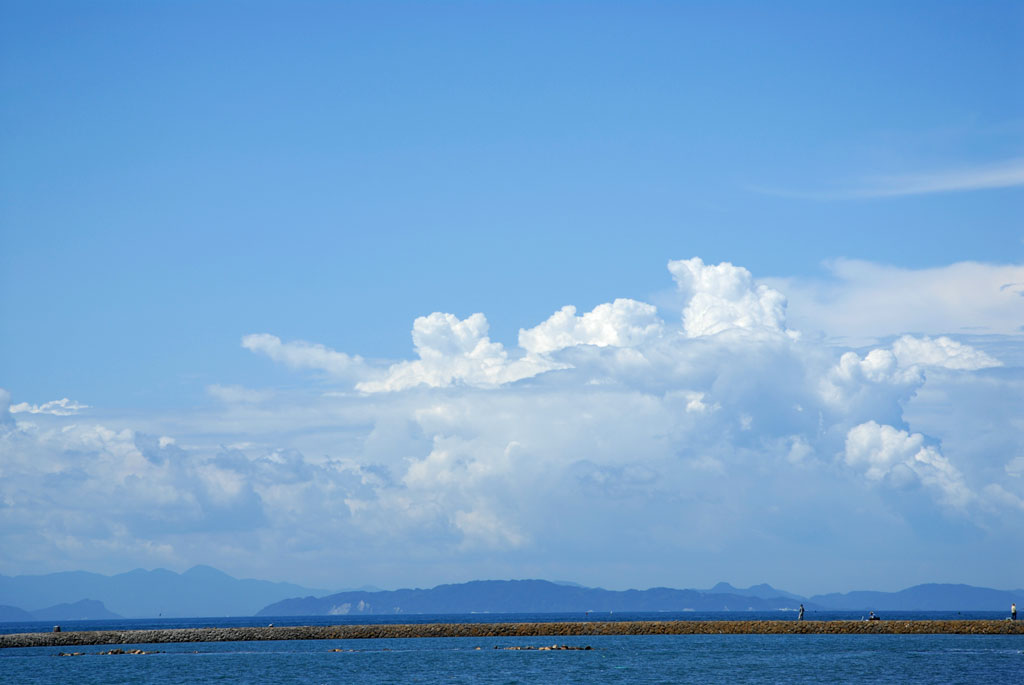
x,y
221,222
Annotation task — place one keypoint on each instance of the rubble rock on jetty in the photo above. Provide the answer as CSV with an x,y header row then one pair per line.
x,y
355,632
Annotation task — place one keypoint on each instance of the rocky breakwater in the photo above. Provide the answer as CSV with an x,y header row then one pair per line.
x,y
355,632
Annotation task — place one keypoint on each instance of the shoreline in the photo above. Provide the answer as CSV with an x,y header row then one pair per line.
x,y
504,630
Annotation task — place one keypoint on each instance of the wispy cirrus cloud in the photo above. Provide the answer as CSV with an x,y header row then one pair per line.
x,y
995,175
236,394
61,407
1006,174
855,300
299,354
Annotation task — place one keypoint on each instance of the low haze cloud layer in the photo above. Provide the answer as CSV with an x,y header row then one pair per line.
x,y
868,434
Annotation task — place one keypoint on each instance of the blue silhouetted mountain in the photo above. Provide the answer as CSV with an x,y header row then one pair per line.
x,y
9,613
764,591
520,596
929,597
205,591
82,610
200,591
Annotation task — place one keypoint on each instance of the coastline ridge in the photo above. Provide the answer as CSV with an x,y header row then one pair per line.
x,y
483,630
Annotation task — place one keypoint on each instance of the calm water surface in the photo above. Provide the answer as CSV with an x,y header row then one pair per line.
x,y
613,659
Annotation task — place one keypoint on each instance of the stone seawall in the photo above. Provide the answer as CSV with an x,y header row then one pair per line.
x,y
350,632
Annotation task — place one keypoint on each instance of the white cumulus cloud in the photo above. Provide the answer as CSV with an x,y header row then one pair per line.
x,y
942,353
452,352
884,452
605,435
723,297
622,323
880,383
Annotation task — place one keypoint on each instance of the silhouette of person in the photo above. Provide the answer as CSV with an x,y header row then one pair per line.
x,y
800,616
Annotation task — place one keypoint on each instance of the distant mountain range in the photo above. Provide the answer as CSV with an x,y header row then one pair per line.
x,y
520,596
205,591
83,610
200,591
539,596
764,590
930,597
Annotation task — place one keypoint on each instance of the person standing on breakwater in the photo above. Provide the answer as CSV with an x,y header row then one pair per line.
x,y
1013,611
800,616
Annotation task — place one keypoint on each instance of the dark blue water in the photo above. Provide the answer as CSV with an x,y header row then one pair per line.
x,y
613,659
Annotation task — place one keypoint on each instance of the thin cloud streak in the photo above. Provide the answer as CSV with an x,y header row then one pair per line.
x,y
1006,174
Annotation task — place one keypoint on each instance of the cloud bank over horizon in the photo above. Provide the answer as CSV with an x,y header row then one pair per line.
x,y
741,437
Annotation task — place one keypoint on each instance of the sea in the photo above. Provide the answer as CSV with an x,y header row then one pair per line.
x,y
611,659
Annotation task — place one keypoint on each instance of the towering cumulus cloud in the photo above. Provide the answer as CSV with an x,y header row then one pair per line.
x,y
724,297
602,436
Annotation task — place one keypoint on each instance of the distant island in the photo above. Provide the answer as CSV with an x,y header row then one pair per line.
x,y
204,591
82,610
540,596
525,596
